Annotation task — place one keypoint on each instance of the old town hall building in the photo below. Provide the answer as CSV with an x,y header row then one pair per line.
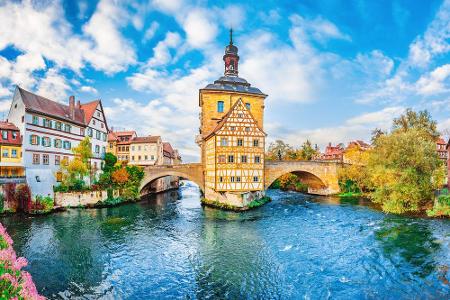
x,y
232,136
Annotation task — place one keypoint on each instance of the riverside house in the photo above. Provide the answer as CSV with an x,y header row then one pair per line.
x,y
49,131
11,165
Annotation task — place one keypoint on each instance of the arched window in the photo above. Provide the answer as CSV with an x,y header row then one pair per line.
x,y
220,106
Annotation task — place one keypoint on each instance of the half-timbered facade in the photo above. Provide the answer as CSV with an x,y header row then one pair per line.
x,y
231,136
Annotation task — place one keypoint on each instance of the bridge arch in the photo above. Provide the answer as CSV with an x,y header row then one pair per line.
x,y
321,177
191,172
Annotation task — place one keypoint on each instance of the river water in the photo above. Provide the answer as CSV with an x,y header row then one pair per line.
x,y
296,247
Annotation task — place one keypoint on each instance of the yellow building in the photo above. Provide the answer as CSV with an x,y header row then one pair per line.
x,y
119,144
231,136
11,165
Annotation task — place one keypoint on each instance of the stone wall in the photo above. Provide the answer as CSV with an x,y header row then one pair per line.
x,y
75,199
237,199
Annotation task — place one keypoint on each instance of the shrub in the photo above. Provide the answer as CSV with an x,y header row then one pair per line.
x,y
2,202
61,188
14,282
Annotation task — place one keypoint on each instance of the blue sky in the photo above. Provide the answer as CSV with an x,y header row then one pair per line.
x,y
333,70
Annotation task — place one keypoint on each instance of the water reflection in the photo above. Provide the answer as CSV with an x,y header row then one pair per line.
x,y
233,261
406,241
297,246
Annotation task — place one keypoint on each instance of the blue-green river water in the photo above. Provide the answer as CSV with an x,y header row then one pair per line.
x,y
296,247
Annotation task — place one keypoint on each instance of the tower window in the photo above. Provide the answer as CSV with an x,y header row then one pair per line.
x,y
220,106
232,178
222,159
255,179
244,159
255,143
223,142
220,179
247,129
231,158
248,105
238,178
257,159
240,142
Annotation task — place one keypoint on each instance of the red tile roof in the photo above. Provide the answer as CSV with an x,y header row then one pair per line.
x,y
89,109
111,136
145,139
168,150
8,126
441,141
42,105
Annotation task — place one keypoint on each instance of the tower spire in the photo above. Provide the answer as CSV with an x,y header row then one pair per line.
x,y
231,57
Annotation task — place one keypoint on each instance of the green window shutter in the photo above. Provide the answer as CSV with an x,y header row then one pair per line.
x,y
38,140
31,139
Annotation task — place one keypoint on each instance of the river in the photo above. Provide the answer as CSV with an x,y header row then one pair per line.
x,y
298,246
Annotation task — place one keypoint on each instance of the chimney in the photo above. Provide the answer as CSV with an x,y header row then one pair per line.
x,y
72,107
78,104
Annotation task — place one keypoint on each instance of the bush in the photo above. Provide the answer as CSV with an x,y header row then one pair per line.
x,y
78,185
61,188
2,202
259,202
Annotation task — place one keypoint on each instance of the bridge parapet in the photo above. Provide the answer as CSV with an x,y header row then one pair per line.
x,y
192,172
321,176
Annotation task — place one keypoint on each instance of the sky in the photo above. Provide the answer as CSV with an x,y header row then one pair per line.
x,y
333,70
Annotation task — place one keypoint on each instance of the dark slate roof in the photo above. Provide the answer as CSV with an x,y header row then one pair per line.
x,y
233,84
39,104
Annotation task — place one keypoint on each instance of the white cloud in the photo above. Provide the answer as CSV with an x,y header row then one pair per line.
x,y
112,52
161,52
53,86
377,118
5,105
89,89
200,28
434,82
435,40
319,28
150,32
233,16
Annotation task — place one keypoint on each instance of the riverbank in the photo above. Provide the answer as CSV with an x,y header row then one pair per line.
x,y
224,206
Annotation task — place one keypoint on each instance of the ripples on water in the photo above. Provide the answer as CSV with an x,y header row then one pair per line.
x,y
297,246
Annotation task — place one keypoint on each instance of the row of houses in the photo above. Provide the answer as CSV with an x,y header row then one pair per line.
x,y
338,152
39,133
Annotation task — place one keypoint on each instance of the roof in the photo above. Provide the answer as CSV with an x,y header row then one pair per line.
x,y
233,84
39,104
145,139
441,141
8,126
124,133
227,115
167,148
111,136
89,109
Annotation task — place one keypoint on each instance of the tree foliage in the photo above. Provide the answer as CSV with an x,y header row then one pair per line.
x,y
403,169
279,150
120,176
83,150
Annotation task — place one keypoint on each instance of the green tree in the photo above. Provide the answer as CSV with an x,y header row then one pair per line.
x,y
279,150
83,150
110,161
404,170
416,120
307,152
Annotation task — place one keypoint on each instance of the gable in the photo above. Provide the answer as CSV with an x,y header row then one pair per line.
x,y
238,121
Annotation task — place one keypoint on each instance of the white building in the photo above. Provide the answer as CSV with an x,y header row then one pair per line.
x,y
50,130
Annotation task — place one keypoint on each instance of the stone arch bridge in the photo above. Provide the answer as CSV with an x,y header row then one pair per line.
x,y
321,177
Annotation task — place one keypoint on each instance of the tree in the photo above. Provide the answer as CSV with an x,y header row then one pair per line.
x,y
83,150
120,176
416,120
404,170
73,173
110,162
278,150
307,152
376,133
